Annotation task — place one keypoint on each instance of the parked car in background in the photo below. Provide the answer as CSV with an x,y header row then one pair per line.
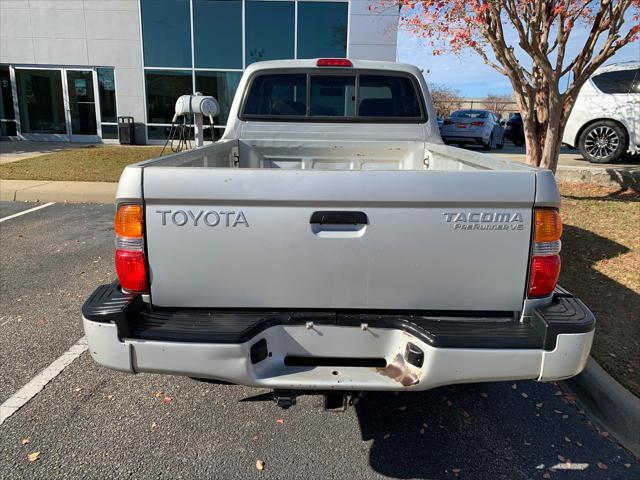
x,y
605,122
514,130
479,127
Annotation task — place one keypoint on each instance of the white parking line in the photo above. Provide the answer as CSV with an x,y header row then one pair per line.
x,y
37,383
4,219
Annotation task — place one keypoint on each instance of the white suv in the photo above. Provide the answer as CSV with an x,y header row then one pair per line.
x,y
605,122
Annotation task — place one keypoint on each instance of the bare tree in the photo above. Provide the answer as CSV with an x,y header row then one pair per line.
x,y
445,99
498,104
542,29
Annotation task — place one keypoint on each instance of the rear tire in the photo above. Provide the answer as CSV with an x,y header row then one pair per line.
x,y
604,141
487,146
500,146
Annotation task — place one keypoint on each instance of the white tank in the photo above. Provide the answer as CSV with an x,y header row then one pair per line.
x,y
197,103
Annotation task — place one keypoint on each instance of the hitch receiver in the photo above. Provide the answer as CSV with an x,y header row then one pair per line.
x,y
284,398
335,401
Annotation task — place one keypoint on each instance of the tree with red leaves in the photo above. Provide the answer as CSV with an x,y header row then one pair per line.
x,y
538,60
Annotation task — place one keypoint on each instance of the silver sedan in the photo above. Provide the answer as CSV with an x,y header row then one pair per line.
x,y
478,127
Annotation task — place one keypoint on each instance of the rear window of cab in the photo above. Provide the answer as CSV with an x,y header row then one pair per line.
x,y
338,97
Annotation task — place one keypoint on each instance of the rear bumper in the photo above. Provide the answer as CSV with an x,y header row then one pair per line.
x,y
345,352
463,139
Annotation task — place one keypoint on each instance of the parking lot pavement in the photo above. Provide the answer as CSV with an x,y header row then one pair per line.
x,y
90,422
51,259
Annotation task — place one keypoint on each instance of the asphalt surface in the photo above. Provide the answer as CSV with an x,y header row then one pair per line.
x,y
569,157
90,422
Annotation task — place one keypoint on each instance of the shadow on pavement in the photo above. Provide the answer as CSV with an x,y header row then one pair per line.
x,y
455,432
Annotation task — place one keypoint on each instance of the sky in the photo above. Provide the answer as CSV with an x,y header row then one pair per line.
x,y
468,74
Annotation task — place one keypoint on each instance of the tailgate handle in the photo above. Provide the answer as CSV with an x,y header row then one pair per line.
x,y
339,218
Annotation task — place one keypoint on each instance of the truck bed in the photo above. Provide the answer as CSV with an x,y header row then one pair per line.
x,y
336,155
232,226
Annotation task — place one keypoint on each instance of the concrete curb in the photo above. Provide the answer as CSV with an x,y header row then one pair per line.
x,y
611,405
45,191
610,176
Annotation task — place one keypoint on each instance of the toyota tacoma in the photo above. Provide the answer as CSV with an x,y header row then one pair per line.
x,y
330,241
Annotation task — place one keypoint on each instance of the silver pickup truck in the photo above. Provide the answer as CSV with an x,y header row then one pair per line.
x,y
331,242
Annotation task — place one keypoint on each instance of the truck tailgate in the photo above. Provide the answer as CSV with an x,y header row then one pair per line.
x,y
393,240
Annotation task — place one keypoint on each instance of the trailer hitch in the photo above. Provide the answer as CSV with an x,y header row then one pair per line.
x,y
284,398
332,401
336,401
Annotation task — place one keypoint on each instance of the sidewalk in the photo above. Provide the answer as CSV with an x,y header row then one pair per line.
x,y
45,191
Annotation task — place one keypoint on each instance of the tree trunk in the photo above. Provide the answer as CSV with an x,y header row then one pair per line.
x,y
553,132
543,124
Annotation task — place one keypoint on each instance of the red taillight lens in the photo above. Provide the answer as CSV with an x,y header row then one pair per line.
x,y
132,271
334,62
477,124
545,271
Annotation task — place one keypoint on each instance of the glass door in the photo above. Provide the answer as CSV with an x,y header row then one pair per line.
x,y
7,113
57,104
41,104
81,105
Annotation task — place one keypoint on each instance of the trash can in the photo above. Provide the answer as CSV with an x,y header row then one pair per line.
x,y
126,131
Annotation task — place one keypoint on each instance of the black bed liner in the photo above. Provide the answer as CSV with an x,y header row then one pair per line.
x,y
499,330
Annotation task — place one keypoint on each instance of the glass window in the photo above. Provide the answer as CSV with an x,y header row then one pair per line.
x,y
7,115
322,29
217,33
40,101
110,132
635,86
280,95
163,89
107,95
162,133
470,114
388,96
333,96
166,33
269,30
620,81
222,86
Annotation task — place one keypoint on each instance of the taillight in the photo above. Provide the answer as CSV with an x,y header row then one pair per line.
x,y
131,265
334,62
128,221
545,259
477,124
448,122
131,270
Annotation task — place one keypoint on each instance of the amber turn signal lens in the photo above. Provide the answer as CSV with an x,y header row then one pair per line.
x,y
128,221
548,225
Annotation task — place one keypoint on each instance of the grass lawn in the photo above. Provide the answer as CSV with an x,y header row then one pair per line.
x,y
601,265
89,164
